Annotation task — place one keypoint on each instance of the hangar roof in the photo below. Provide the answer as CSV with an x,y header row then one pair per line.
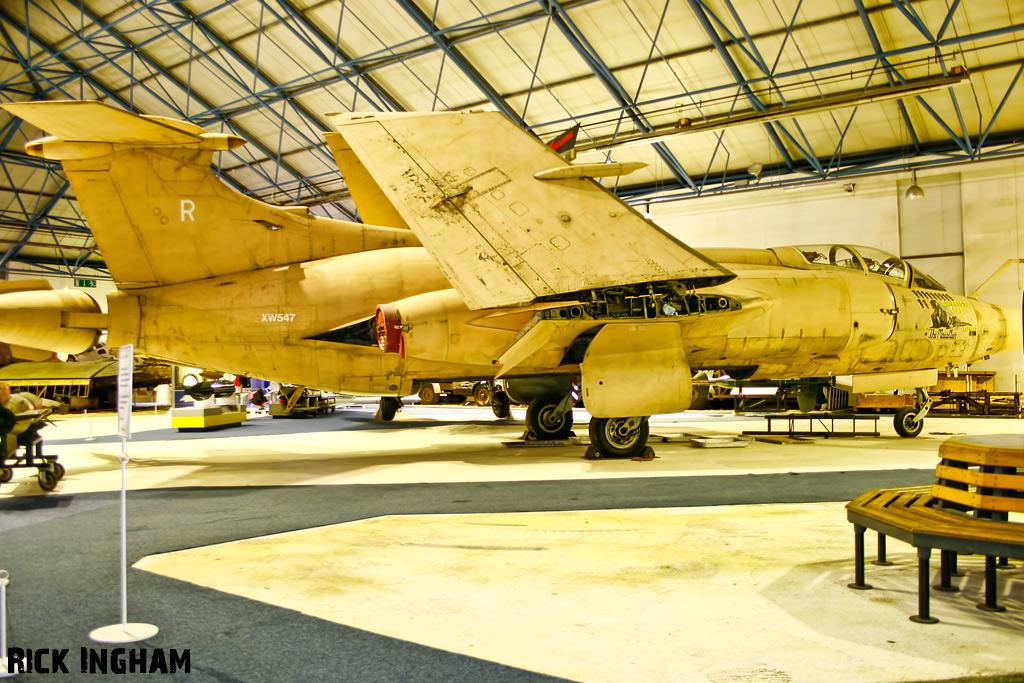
x,y
715,96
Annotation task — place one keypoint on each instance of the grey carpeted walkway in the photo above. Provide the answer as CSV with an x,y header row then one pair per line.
x,y
62,554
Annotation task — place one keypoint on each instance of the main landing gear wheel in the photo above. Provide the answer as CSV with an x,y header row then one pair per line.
x,y
482,395
501,405
5,474
428,396
389,406
906,424
619,437
545,421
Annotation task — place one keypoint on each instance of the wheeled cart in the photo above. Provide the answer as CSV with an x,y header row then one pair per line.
x,y
31,446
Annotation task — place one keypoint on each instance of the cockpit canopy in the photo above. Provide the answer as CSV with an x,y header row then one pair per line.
x,y
868,260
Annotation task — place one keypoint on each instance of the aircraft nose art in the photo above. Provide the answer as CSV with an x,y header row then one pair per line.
x,y
466,184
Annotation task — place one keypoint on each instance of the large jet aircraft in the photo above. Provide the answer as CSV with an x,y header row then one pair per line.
x,y
484,255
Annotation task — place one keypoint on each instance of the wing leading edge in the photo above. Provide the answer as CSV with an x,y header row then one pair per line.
x,y
464,182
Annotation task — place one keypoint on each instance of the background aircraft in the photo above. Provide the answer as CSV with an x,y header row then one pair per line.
x,y
485,255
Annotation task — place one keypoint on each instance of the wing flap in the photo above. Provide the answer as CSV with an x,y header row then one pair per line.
x,y
465,185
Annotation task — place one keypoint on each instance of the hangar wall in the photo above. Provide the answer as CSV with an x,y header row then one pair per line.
x,y
968,223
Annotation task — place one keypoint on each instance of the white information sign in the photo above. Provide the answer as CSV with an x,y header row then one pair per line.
x,y
125,366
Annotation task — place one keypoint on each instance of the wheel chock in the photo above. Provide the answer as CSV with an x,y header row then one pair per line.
x,y
646,454
593,454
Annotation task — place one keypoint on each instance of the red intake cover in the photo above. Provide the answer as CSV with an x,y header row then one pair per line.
x,y
388,325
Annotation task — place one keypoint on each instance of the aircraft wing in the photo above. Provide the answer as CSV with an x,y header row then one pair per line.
x,y
466,184
98,122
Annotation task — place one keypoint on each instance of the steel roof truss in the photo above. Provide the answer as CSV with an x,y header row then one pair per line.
x,y
461,62
589,55
698,10
995,114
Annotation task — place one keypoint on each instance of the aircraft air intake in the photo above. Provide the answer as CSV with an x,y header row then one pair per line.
x,y
439,326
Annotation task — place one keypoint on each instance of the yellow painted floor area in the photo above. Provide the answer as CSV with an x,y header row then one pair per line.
x,y
442,444
721,594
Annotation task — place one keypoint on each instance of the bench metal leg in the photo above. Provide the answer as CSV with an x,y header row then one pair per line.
x,y
948,565
990,604
923,615
858,559
881,561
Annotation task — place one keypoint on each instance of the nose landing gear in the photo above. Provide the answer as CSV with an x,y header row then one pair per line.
x,y
909,421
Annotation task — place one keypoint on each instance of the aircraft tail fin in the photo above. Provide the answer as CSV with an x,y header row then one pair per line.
x,y
505,222
159,213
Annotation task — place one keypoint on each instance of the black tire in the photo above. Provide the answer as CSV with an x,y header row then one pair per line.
x,y
47,480
5,474
482,395
59,470
905,424
501,405
389,406
614,439
428,396
544,423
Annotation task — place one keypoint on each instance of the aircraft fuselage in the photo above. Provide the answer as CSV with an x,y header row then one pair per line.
x,y
807,321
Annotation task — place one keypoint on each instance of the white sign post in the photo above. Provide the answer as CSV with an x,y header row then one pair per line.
x,y
124,632
125,370
4,662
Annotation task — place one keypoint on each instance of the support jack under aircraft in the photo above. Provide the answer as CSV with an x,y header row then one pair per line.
x,y
484,255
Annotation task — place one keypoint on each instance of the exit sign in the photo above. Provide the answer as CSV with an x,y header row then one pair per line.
x,y
85,283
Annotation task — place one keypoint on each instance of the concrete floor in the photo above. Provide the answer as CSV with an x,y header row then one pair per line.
x,y
445,444
718,594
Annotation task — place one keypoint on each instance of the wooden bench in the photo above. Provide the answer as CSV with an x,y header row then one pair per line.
x,y
979,483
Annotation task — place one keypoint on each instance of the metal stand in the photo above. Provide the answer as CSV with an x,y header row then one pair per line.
x,y
124,632
991,603
923,615
948,566
881,561
4,673
858,562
